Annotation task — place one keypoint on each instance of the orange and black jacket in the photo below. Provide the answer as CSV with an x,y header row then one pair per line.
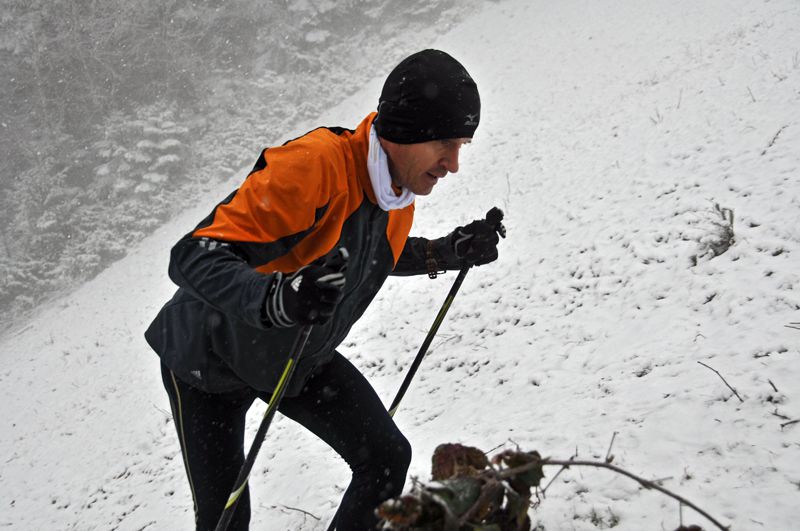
x,y
301,201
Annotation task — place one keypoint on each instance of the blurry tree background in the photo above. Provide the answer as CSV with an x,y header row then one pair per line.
x,y
117,114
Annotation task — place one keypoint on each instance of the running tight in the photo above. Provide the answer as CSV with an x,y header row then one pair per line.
x,y
338,405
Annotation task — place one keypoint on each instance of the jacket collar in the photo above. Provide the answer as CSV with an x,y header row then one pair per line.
x,y
359,143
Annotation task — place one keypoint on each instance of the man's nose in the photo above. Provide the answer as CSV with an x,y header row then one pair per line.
x,y
450,160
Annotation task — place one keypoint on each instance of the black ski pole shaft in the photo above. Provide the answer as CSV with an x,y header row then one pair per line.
x,y
423,349
420,355
494,217
258,440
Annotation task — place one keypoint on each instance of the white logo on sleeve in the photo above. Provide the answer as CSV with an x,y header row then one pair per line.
x,y
296,282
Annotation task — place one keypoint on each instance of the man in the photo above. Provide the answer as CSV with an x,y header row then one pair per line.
x,y
254,270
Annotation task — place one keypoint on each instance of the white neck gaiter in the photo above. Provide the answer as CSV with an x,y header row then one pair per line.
x,y
378,167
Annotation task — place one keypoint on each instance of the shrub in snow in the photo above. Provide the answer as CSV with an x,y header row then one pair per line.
x,y
720,237
468,491
149,148
714,232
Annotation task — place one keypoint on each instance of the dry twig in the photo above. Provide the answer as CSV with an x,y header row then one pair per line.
x,y
495,448
723,379
300,510
543,492
599,464
779,415
774,139
610,457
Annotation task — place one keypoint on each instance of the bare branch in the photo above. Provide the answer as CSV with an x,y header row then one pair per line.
x,y
773,385
779,415
795,421
300,511
774,139
599,464
723,379
495,448
610,457
563,468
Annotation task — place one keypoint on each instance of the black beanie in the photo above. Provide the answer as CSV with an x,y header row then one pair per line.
x,y
428,96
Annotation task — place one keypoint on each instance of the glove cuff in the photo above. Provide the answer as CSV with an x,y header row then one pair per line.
x,y
444,253
274,308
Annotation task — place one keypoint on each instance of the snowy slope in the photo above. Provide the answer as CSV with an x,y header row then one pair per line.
x,y
609,132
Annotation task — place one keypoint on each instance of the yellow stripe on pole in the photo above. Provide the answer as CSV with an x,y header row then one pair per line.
x,y
235,495
281,384
272,402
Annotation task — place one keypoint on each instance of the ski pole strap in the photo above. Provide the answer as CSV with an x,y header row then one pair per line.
x,y
258,440
430,262
428,339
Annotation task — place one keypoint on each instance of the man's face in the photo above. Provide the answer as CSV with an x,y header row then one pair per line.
x,y
419,167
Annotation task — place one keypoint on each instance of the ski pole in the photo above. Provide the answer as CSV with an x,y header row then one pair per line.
x,y
428,339
493,217
337,261
277,395
418,360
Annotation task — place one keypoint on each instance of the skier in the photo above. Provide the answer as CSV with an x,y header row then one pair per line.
x,y
253,271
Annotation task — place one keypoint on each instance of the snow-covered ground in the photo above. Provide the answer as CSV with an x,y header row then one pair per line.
x,y
610,130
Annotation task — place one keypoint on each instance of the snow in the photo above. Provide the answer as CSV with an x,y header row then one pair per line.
x,y
610,130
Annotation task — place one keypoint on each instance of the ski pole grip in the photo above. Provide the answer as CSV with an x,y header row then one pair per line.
x,y
495,218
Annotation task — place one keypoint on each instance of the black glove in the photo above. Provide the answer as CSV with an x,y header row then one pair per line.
x,y
476,243
308,296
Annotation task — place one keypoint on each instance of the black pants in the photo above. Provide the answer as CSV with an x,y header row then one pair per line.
x,y
338,405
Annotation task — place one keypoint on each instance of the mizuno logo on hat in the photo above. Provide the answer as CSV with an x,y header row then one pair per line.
x,y
471,119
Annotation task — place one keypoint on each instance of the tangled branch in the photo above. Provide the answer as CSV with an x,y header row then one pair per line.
x,y
643,482
469,491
